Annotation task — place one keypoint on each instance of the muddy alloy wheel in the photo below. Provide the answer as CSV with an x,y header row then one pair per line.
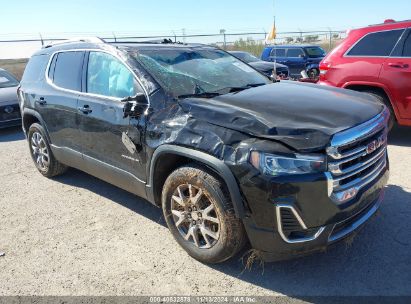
x,y
40,151
200,215
194,216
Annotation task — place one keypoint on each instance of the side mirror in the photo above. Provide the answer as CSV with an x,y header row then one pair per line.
x,y
134,106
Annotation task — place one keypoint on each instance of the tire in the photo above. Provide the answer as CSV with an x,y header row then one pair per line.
x,y
41,153
387,103
196,203
313,73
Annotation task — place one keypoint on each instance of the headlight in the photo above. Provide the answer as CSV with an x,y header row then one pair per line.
x,y
275,165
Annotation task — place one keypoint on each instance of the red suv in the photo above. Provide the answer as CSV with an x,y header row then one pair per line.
x,y
377,60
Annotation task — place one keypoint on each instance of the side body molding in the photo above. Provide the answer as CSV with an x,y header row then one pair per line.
x,y
212,162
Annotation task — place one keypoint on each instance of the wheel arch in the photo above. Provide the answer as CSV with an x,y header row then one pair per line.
x,y
167,158
378,89
29,117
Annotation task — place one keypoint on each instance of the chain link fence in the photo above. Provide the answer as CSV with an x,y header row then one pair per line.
x,y
13,47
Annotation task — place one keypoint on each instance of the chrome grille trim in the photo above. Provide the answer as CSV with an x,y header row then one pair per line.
x,y
353,170
300,221
351,167
362,131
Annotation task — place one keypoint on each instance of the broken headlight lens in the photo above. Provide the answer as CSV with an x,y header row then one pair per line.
x,y
275,165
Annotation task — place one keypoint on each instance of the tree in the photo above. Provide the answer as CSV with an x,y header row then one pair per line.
x,y
311,38
289,39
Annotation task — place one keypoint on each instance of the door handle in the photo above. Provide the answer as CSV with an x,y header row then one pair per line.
x,y
85,109
41,101
398,65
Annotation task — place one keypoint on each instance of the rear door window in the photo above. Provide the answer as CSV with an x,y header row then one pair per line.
x,y
376,44
278,52
295,53
108,76
68,70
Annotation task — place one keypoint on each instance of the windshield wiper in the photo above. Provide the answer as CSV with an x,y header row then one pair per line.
x,y
202,94
238,89
222,91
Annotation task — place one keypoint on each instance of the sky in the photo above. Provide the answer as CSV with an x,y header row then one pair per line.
x,y
26,18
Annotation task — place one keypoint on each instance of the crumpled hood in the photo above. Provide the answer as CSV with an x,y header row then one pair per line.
x,y
302,116
8,94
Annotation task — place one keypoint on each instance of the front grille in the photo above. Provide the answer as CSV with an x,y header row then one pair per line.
x,y
357,156
9,112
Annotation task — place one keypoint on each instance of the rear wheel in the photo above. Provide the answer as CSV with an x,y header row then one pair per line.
x,y
313,73
41,153
200,216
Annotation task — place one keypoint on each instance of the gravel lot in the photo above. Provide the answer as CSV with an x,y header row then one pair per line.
x,y
77,235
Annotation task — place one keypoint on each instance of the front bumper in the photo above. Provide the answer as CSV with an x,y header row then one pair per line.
x,y
325,222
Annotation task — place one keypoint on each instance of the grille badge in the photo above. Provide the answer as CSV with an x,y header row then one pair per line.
x,y
375,144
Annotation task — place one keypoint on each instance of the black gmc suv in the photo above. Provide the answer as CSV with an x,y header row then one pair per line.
x,y
228,154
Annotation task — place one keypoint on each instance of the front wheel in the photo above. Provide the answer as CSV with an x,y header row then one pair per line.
x,y
200,216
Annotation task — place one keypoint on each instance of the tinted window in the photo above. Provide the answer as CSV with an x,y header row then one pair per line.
x,y
67,73
406,52
315,52
107,76
278,52
376,44
35,69
295,53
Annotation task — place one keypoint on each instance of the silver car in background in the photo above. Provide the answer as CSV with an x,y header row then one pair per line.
x,y
9,105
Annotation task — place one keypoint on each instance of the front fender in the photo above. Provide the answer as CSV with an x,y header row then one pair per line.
x,y
212,162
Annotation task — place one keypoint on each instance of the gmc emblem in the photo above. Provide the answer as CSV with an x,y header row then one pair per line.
x,y
375,144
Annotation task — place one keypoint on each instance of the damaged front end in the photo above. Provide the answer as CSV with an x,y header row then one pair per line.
x,y
271,146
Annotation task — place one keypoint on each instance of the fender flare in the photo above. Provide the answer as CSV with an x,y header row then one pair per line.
x,y
39,118
210,161
310,66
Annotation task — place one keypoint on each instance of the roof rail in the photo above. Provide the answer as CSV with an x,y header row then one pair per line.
x,y
388,21
78,39
154,41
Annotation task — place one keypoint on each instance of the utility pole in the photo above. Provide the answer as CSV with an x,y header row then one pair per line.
x,y
265,36
274,72
184,34
222,32
331,42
